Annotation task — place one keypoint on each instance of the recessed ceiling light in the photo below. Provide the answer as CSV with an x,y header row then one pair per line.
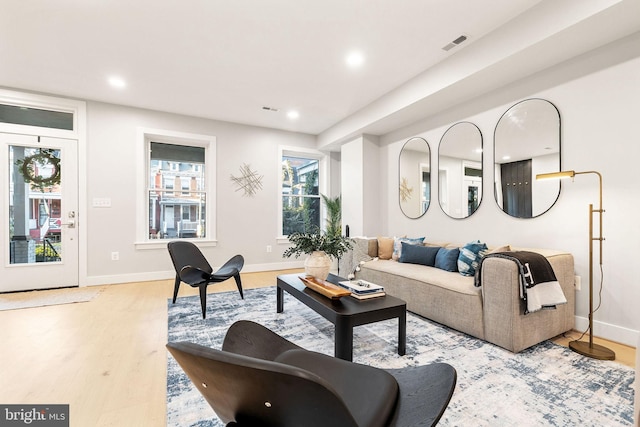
x,y
293,114
355,59
507,157
117,82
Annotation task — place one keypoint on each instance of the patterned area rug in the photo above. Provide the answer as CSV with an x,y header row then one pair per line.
x,y
545,385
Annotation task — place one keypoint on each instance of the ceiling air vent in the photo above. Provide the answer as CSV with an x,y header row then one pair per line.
x,y
455,43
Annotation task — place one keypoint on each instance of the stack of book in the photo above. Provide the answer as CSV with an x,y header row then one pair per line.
x,y
361,289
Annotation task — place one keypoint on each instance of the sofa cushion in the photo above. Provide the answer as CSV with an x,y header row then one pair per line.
x,y
399,273
439,244
470,256
385,247
447,259
415,254
397,245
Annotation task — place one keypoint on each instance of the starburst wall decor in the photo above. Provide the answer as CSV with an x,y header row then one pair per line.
x,y
249,181
405,190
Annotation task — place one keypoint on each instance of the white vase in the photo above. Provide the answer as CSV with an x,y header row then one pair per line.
x,y
318,265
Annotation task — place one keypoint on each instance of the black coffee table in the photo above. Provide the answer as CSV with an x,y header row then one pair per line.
x,y
346,312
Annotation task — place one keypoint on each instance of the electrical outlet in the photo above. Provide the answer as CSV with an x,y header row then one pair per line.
x,y
115,256
577,282
269,248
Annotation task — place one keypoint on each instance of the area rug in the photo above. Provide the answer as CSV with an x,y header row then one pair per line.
x,y
545,385
31,299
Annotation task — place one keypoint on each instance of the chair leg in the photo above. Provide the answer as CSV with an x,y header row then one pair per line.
x,y
239,284
203,299
176,286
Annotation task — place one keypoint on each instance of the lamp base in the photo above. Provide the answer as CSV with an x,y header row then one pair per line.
x,y
594,351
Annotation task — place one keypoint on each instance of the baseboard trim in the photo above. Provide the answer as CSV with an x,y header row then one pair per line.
x,y
170,274
608,331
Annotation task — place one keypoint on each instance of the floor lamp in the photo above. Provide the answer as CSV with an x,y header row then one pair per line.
x,y
589,349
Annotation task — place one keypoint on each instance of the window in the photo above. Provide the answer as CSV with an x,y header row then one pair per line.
x,y
28,116
185,184
301,180
179,180
191,202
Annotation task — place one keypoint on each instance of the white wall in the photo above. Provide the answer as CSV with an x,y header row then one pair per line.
x,y
352,172
598,96
245,225
361,204
372,201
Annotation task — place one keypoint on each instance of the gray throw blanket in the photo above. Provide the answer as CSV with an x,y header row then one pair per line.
x,y
539,288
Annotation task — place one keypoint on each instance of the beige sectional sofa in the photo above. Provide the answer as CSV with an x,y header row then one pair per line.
x,y
493,312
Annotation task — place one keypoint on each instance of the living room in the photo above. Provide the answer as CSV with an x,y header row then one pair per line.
x,y
595,87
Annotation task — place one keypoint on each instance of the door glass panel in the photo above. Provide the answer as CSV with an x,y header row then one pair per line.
x,y
35,220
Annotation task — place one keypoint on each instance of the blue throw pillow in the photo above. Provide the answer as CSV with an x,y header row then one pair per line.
x,y
470,256
447,259
414,254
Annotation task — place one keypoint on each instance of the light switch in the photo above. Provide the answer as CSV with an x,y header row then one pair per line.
x,y
101,202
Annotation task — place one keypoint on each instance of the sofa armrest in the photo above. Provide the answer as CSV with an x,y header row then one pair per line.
x,y
505,323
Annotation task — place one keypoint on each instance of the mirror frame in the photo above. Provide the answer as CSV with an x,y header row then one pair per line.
x,y
553,187
462,179
402,182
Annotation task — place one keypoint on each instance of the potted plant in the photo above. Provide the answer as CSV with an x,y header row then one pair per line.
x,y
321,248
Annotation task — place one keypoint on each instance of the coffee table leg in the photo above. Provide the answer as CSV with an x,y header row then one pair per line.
x,y
343,347
279,300
402,333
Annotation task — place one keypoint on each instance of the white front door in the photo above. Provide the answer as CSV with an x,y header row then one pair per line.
x,y
39,212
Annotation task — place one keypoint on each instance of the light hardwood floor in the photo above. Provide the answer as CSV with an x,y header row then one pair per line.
x,y
107,357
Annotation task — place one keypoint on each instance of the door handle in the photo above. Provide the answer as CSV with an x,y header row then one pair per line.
x,y
70,224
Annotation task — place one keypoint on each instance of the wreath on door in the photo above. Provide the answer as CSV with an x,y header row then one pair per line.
x,y
43,157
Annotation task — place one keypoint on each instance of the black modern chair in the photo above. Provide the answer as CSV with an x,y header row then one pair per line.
x,y
262,379
193,269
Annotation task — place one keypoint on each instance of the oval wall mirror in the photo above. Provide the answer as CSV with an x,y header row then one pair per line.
x,y
460,170
526,143
415,177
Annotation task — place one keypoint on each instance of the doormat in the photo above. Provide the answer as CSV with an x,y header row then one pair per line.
x,y
32,299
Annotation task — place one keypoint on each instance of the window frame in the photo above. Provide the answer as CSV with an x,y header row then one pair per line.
x,y
144,138
323,180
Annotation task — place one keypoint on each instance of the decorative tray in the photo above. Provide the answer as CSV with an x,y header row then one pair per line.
x,y
325,288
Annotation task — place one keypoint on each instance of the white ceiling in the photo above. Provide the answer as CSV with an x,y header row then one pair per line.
x,y
225,60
